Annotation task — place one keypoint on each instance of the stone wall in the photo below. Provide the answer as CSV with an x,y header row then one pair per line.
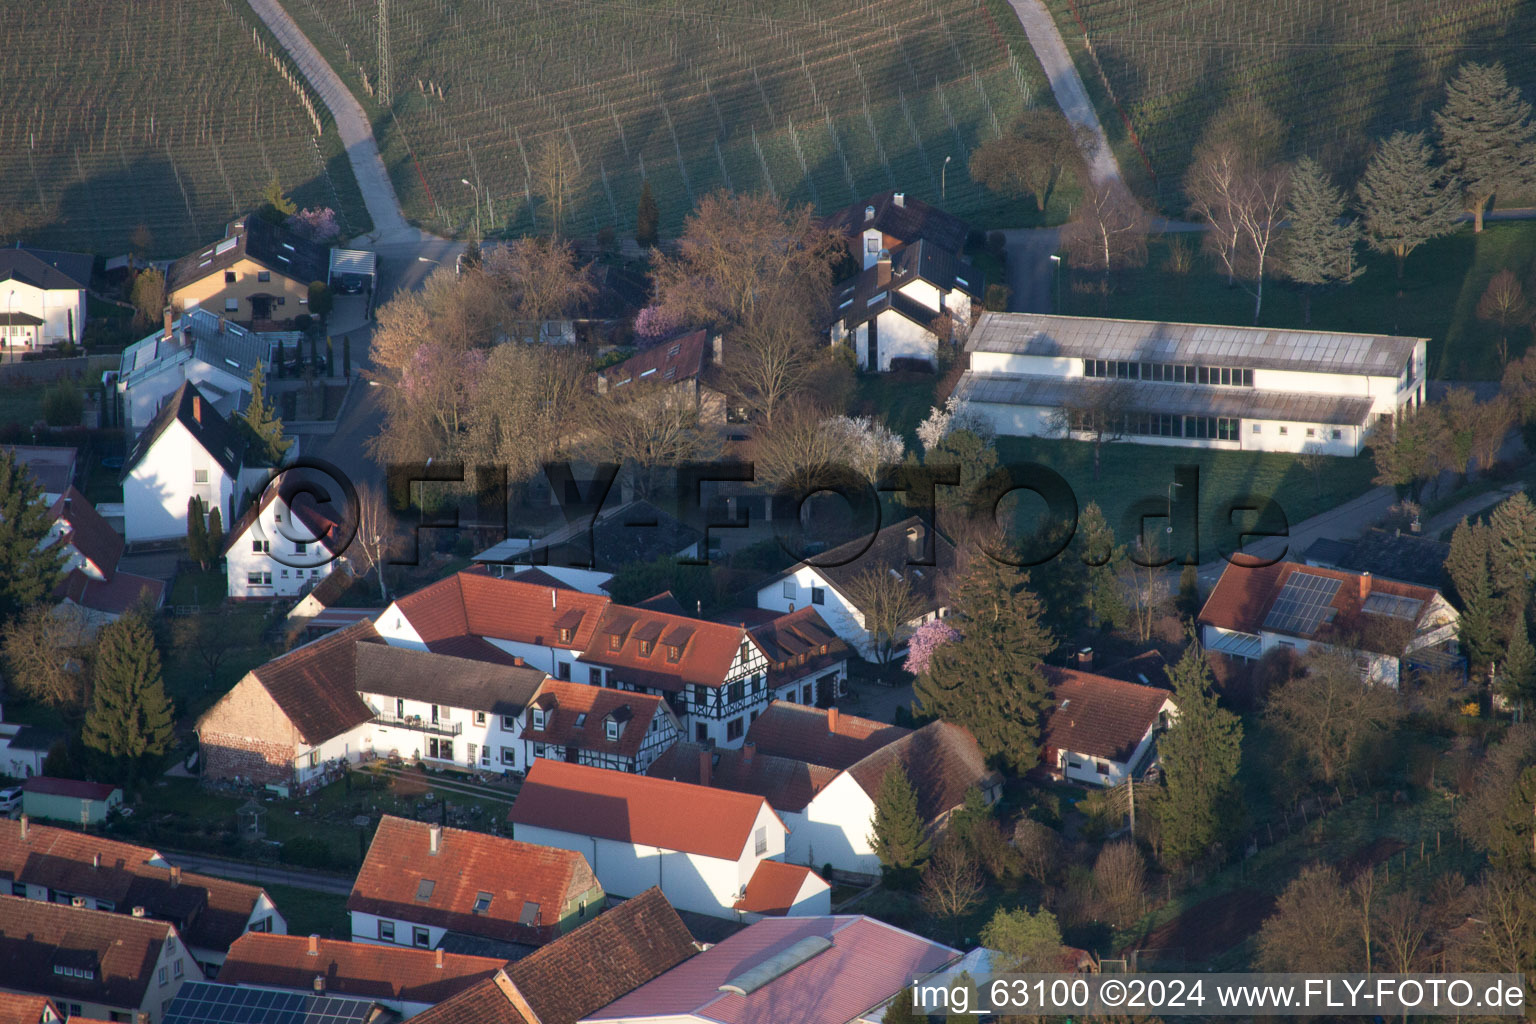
x,y
228,757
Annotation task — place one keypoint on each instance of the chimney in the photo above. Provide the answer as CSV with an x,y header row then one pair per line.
x,y
517,660
915,537
704,766
869,214
515,996
899,198
1365,585
170,323
223,325
175,875
24,823
439,957
314,945
96,860
434,839
831,719
717,349
553,601
747,750
197,408
138,911
1085,659
319,983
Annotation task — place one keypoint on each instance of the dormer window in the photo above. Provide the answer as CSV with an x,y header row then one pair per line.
x,y
674,653
611,729
615,641
539,718
645,648
823,648
565,635
581,720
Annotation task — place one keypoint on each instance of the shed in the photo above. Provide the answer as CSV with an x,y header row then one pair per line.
x,y
85,803
353,271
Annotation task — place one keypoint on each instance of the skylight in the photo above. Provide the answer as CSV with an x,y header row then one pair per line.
x,y
530,914
482,902
424,888
581,719
225,246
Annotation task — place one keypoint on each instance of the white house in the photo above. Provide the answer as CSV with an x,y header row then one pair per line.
x,y
828,807
281,549
203,347
1100,730
421,882
891,220
188,450
44,294
887,311
701,846
1388,625
1236,388
923,557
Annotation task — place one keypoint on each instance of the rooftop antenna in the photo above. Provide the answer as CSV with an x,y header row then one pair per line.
x,y
384,75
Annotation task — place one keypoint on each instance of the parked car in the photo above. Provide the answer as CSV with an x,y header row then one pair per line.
x,y
10,801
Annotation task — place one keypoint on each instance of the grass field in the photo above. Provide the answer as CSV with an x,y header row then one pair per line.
x,y
1339,74
819,104
1436,299
170,114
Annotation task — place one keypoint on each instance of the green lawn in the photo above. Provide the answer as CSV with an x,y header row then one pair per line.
x,y
1436,298
204,588
22,406
902,398
1133,480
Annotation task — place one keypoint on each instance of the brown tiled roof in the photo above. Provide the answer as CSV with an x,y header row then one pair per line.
x,y
633,711
629,808
314,684
804,733
908,222
1244,596
472,603
705,649
20,1009
785,783
400,863
87,531
800,634
773,887
1099,716
941,759
120,951
357,969
209,912
443,679
672,360
887,552
582,971
114,596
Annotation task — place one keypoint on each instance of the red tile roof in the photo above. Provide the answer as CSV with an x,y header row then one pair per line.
x,y
705,650
1098,716
941,759
561,983
353,968
672,360
868,962
315,686
564,701
209,912
473,603
825,737
1243,597
515,874
775,886
636,809
69,787
119,950
20,1009
798,643
785,783
87,531
115,596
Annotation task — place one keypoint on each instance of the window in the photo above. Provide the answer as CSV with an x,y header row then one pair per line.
x,y
1103,768
176,968
199,476
565,635
314,758
1337,434
283,573
563,670
700,732
485,755
282,300
1311,432
509,757
1284,431
611,729
509,723
538,718
538,750
789,590
734,729
298,547
645,648
164,975
674,653
399,708
615,641
261,547
581,720
760,840
263,275
479,717
818,595
229,277
231,305
482,902
470,755
1258,429
420,937
872,245
19,889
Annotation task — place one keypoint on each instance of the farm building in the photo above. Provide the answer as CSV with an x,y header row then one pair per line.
x,y
1236,388
259,273
1101,730
44,297
79,803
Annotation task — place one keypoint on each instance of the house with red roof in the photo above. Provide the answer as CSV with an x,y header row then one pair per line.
x,y
784,890
809,970
1390,626
93,588
821,771
23,1009
421,885
593,725
679,368
701,846
1101,731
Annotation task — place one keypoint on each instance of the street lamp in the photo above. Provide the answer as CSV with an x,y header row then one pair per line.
x,y
1170,505
943,180
476,191
1056,271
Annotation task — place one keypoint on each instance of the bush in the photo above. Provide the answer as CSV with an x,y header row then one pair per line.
x,y
309,852
997,298
911,364
63,404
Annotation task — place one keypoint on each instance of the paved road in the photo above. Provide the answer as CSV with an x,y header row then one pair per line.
x,y
389,224
259,874
1031,274
1045,39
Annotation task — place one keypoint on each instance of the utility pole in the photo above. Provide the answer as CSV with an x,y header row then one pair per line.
x,y
385,96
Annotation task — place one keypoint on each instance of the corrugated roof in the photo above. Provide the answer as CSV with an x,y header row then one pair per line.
x,y
1199,344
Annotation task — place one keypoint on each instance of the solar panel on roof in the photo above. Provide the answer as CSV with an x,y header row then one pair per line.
x,y
1304,603
1393,605
209,1003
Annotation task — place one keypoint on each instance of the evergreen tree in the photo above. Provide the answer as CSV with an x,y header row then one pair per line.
x,y
130,716
1028,942
1405,200
900,1010
1514,528
27,574
1510,845
276,207
990,680
1469,567
1517,674
647,218
473,258
1317,250
1105,597
197,532
1486,134
1189,593
1200,755
897,836
262,427
215,535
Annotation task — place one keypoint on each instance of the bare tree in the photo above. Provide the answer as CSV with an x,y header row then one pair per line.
x,y
1147,595
1491,422
1110,232
952,883
378,534
1039,848
1328,711
1098,410
1306,931
523,407
1244,205
888,605
1031,157
44,655
1503,304
213,637
795,447
541,281
1120,876
767,363
1400,932
556,178
646,429
1506,911
1363,891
